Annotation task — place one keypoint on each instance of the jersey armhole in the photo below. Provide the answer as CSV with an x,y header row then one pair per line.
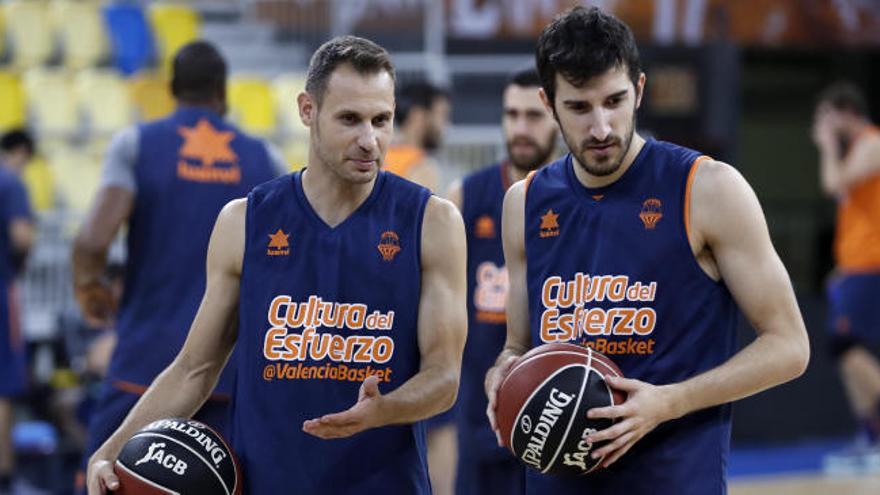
x,y
528,183
687,196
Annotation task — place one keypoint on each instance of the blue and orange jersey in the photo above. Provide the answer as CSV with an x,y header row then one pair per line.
x,y
482,201
322,308
857,240
14,205
611,268
188,166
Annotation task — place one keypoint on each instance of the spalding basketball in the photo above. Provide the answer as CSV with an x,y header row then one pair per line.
x,y
180,456
542,407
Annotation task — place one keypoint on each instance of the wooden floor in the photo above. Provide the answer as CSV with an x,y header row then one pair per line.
x,y
808,485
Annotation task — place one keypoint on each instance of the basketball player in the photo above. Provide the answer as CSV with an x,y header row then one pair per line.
x,y
167,180
642,250
849,147
16,237
530,135
338,285
422,116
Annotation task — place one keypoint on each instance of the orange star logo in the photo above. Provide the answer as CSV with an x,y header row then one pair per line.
x,y
549,224
278,244
485,227
206,144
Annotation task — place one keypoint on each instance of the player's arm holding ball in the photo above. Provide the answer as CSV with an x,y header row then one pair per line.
x,y
518,335
184,386
729,235
442,332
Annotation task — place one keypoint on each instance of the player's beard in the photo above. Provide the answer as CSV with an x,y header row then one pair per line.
x,y
540,155
611,163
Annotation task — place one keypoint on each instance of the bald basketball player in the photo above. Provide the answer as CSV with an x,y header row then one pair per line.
x,y
530,136
682,239
342,289
849,150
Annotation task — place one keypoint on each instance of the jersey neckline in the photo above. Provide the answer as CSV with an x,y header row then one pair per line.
x,y
313,215
621,181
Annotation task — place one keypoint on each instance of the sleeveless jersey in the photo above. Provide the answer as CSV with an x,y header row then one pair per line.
x,y
482,201
321,309
188,166
857,240
611,268
401,159
14,205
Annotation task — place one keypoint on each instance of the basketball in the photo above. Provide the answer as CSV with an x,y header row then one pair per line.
x,y
177,456
542,407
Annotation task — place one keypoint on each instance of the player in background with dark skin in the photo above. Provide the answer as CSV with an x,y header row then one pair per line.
x,y
17,232
657,213
530,138
167,180
849,158
344,231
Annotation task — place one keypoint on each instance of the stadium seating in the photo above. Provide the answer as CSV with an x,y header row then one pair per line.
x,y
104,99
27,22
12,101
251,105
81,32
150,95
173,25
130,37
285,89
51,102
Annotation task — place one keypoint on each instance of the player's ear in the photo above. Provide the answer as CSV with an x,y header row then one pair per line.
x,y
640,89
308,110
546,101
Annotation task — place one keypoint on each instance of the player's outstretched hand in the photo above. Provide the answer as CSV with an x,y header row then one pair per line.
x,y
363,415
646,406
494,377
100,477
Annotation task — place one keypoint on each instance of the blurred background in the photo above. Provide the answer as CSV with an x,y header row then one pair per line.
x,y
736,79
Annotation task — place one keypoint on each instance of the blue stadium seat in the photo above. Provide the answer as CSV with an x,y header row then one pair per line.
x,y
130,36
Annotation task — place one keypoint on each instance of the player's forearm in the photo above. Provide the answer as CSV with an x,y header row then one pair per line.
x,y
429,392
770,360
89,261
178,391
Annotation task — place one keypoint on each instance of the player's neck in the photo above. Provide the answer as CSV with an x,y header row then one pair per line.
x,y
594,181
332,198
516,174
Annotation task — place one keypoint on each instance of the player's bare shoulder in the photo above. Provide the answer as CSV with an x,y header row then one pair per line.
x,y
226,249
443,231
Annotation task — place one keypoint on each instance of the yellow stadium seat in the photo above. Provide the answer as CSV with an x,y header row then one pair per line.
x,y
151,96
30,31
285,89
12,102
296,153
77,174
104,99
2,32
51,102
40,184
81,30
251,105
174,25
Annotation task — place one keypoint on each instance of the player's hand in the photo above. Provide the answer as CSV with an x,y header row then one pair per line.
x,y
96,302
823,130
646,406
365,414
100,477
494,377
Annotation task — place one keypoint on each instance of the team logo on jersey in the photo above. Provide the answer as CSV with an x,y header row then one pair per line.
x,y
389,245
279,245
651,213
550,224
485,227
206,146
598,197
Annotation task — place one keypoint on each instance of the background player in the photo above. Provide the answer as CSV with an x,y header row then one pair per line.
x,y
849,147
382,264
167,180
530,136
620,209
16,237
421,115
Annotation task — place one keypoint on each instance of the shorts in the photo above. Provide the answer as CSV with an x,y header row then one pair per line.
x,y
113,406
13,365
854,307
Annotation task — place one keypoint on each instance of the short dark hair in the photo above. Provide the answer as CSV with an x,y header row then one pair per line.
x,y
845,96
15,139
417,94
525,77
199,73
584,43
362,54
